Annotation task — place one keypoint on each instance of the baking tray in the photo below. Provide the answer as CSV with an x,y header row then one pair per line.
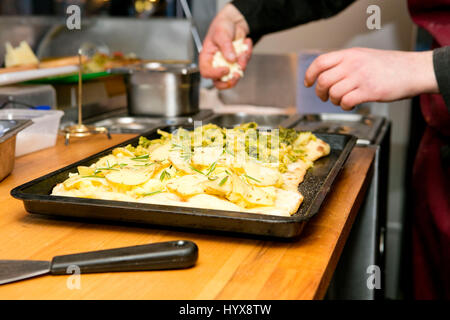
x,y
264,121
365,127
317,183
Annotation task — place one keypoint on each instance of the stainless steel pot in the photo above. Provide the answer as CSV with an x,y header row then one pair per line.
x,y
158,89
8,133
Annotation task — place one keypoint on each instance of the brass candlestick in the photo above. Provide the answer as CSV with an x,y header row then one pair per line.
x,y
80,130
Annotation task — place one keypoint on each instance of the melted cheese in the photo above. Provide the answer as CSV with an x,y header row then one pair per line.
x,y
19,56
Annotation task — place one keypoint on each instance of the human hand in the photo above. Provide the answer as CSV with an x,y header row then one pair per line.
x,y
227,26
353,76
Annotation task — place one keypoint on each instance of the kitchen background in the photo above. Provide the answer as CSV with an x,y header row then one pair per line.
x,y
161,32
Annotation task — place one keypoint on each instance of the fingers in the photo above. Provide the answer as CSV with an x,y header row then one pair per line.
x,y
340,89
321,64
205,62
326,80
353,98
240,33
223,39
244,58
227,85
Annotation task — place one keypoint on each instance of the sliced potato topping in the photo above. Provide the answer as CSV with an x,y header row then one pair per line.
x,y
205,156
239,169
262,176
187,186
127,177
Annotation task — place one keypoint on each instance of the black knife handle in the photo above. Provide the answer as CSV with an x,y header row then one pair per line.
x,y
155,256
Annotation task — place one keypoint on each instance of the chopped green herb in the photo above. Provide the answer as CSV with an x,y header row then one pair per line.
x,y
213,178
229,152
163,175
211,168
150,193
222,182
196,170
143,157
109,168
143,165
252,178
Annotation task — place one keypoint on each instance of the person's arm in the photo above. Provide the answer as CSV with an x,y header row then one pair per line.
x,y
267,16
441,63
254,18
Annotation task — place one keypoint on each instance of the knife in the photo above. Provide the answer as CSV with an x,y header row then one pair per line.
x,y
156,256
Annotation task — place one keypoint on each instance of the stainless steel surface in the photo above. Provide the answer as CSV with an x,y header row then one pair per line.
x,y
155,38
365,128
9,128
8,132
156,89
269,80
365,246
361,249
15,270
130,124
263,121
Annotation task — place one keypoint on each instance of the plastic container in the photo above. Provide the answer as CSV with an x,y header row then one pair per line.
x,y
41,134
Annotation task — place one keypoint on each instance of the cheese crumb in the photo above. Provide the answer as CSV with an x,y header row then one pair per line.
x,y
219,61
22,55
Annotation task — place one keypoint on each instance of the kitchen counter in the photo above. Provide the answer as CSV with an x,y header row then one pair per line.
x,y
229,267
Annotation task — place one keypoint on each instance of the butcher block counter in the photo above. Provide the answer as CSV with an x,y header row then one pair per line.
x,y
228,267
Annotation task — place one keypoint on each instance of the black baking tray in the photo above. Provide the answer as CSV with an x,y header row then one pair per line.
x,y
317,183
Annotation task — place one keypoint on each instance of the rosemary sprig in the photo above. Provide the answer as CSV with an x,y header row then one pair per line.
x,y
142,158
143,165
229,152
151,193
110,167
196,170
101,169
254,179
185,151
222,182
163,175
211,168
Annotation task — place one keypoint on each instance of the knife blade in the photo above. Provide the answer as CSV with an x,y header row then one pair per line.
x,y
156,256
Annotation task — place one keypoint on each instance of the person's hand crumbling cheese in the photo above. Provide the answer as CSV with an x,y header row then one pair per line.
x,y
219,61
22,55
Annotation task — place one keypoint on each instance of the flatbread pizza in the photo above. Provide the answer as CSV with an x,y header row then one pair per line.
x,y
241,169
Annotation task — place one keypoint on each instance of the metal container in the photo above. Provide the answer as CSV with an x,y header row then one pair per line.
x,y
123,123
158,89
8,132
